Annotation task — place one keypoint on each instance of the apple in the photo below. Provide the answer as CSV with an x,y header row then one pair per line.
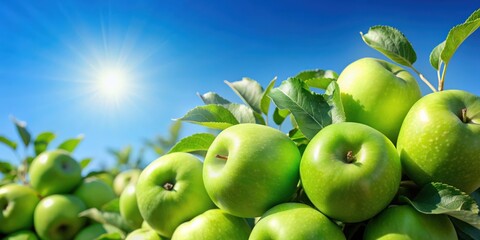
x,y
94,192
17,204
106,177
55,172
143,234
129,206
404,222
377,93
440,140
350,171
56,217
295,221
170,191
213,224
124,178
21,235
250,168
91,232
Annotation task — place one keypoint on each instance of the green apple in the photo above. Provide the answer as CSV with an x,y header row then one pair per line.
x,y
21,235
440,140
350,171
106,177
129,206
291,221
124,178
404,222
56,217
94,192
143,234
213,224
377,93
55,172
170,191
250,168
17,204
91,232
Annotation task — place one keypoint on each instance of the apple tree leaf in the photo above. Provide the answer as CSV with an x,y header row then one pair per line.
x,y
112,206
250,91
70,145
457,35
244,114
213,98
265,101
309,108
22,131
317,78
85,162
391,43
279,115
435,59
111,218
212,116
6,167
42,141
440,198
199,142
9,143
333,98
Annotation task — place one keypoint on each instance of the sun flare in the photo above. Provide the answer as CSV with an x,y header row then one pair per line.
x,y
112,83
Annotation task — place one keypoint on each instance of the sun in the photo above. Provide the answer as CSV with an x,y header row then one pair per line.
x,y
112,82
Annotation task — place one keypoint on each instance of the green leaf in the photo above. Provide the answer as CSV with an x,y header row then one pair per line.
x,y
42,141
211,116
213,98
199,142
6,167
458,34
9,143
250,91
440,198
392,43
333,98
242,113
318,78
265,101
435,59
279,115
111,236
71,144
85,162
22,131
309,109
111,218
123,156
112,206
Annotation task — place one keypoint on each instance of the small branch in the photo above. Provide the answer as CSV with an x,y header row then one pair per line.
x,y
424,79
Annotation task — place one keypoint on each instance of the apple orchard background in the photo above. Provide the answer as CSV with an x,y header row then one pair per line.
x,y
118,72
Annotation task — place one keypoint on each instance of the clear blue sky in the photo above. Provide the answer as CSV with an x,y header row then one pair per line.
x,y
52,51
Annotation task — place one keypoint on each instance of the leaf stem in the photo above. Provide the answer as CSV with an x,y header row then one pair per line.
x,y
425,80
441,81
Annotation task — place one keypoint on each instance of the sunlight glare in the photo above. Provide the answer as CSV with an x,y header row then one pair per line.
x,y
112,83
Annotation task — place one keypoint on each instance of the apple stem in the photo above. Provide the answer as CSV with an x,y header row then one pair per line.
x,y
464,115
168,186
350,157
222,157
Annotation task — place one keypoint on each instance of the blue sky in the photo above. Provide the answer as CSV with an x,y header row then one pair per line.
x,y
51,52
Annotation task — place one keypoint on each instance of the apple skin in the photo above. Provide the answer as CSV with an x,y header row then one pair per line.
x,y
350,171
94,193
144,234
435,145
123,179
292,221
129,206
404,222
170,191
55,172
56,217
213,224
377,93
250,168
21,235
91,232
17,204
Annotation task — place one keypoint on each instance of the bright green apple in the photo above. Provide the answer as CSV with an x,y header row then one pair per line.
x,y
91,232
56,217
17,204
55,172
123,179
144,234
250,168
440,140
21,235
170,191
350,171
295,221
94,192
129,206
106,177
377,93
213,224
404,222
